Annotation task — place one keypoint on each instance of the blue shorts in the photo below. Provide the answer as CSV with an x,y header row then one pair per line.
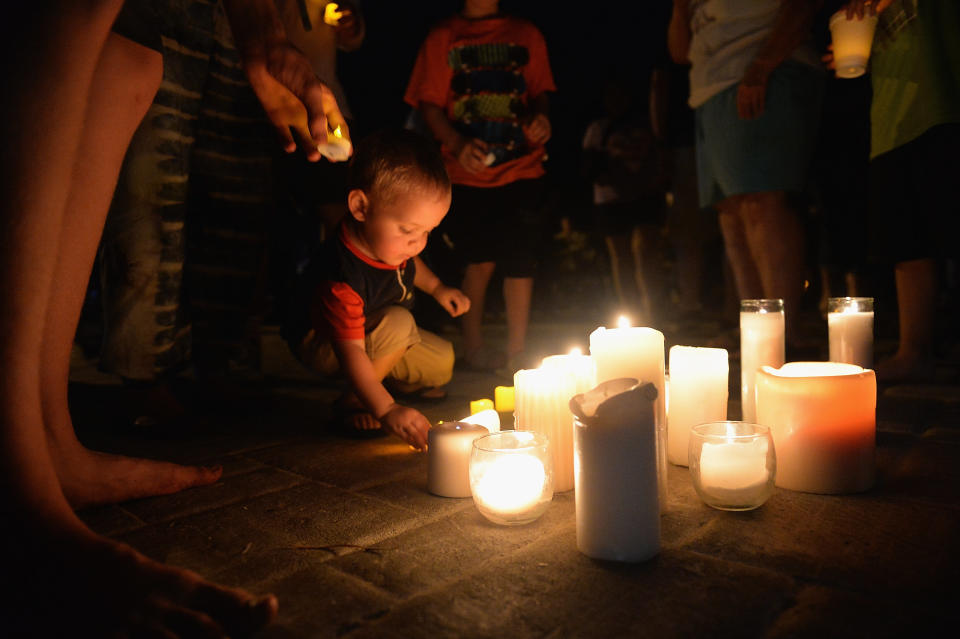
x,y
770,153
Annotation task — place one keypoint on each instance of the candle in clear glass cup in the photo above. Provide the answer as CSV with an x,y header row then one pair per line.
x,y
637,352
732,464
850,328
822,416
699,387
542,404
511,476
762,343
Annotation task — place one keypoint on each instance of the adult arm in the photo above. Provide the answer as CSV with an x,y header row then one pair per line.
x,y
678,32
283,79
792,27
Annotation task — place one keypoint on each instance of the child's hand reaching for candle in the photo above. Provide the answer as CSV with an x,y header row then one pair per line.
x,y
452,300
407,423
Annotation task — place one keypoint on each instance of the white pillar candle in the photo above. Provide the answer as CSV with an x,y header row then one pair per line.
x,y
762,343
542,404
448,458
637,352
823,419
581,366
699,386
617,494
850,328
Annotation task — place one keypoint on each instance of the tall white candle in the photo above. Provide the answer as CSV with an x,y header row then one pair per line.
x,y
762,343
850,327
542,404
637,352
699,386
617,495
822,416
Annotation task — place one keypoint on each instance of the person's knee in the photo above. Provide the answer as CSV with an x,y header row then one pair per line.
x,y
442,369
399,321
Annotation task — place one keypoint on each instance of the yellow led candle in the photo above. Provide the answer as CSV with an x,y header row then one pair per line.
x,y
503,398
478,405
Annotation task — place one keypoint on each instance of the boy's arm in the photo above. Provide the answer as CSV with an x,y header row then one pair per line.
x,y
537,127
469,152
451,299
405,422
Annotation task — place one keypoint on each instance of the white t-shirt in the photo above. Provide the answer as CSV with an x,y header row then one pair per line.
x,y
725,37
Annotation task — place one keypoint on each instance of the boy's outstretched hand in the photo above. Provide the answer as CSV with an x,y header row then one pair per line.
x,y
407,423
452,300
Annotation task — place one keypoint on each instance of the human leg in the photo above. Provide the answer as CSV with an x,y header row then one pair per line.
x,y
517,293
745,273
123,86
66,576
916,282
645,249
776,237
476,279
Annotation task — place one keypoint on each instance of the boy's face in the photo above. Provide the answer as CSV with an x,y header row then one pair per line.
x,y
395,229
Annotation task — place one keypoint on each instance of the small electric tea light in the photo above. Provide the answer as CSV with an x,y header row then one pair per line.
x,y
337,148
488,418
503,399
332,14
478,405
850,327
732,464
511,476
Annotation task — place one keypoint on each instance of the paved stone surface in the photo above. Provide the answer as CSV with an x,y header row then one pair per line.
x,y
345,533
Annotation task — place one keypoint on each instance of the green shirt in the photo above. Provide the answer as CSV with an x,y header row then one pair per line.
x,y
915,70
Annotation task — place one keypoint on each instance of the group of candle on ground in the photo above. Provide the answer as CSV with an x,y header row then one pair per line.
x,y
612,440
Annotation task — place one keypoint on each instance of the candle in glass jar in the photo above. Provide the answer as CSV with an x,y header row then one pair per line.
x,y
822,416
699,386
542,404
850,327
762,343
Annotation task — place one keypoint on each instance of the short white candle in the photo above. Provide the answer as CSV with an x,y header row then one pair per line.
x,y
823,419
637,352
489,419
699,386
762,343
850,328
734,465
542,404
511,476
448,458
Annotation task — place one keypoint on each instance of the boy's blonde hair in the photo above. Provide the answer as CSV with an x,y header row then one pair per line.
x,y
390,162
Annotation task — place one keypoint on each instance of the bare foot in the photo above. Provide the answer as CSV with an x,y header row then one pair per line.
x,y
90,478
352,415
905,366
72,579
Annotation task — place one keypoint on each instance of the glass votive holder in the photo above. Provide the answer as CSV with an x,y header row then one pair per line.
x,y
850,330
511,476
733,464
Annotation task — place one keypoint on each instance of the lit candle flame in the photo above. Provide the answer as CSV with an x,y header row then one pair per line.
x,y
576,352
336,131
623,322
331,15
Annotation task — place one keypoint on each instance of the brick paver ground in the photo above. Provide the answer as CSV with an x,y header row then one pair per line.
x,y
344,532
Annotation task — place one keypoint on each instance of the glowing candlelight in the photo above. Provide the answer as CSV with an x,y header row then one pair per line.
x,y
511,476
478,405
332,14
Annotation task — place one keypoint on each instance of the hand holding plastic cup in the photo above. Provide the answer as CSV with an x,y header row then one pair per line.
x,y
852,39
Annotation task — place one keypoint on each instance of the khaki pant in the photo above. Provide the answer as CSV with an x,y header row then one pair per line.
x,y
427,362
